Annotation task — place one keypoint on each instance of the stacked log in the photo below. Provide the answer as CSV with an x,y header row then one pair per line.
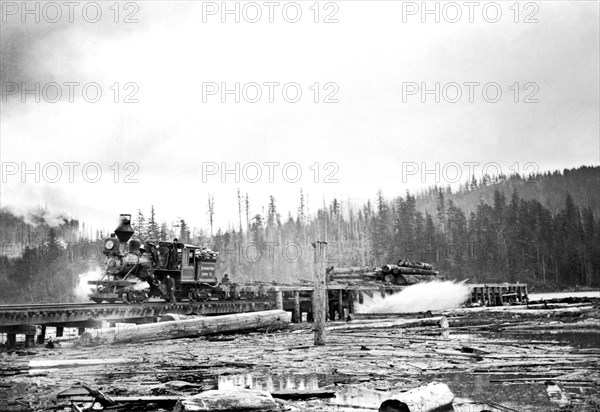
x,y
395,269
352,274
403,273
407,273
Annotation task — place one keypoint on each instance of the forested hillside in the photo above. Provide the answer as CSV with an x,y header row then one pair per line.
x,y
543,230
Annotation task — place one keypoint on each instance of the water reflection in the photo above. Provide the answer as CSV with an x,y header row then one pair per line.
x,y
583,338
271,383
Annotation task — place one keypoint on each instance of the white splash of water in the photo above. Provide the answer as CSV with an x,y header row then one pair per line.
x,y
83,289
141,286
436,295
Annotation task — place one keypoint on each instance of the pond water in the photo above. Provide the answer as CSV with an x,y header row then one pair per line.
x,y
522,397
563,295
578,338
365,397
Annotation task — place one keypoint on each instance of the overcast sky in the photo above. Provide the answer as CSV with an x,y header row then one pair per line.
x,y
365,61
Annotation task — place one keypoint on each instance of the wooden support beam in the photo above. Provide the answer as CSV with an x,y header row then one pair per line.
x,y
11,340
297,314
30,341
59,331
340,302
41,338
351,295
320,292
279,299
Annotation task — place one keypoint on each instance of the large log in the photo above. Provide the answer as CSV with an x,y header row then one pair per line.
x,y
351,270
197,326
415,271
522,311
422,270
231,400
440,321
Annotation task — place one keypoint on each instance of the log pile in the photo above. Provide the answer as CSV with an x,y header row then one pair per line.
x,y
407,273
403,273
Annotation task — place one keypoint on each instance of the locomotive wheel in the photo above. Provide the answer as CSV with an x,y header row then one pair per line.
x,y
192,295
126,298
97,300
390,278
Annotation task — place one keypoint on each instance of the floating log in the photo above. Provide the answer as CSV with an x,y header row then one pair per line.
x,y
440,321
294,394
429,398
523,311
70,363
230,400
415,315
196,326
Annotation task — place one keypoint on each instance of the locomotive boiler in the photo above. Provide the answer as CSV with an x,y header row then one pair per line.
x,y
135,272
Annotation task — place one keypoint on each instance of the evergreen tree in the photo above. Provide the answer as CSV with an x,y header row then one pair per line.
x,y
153,228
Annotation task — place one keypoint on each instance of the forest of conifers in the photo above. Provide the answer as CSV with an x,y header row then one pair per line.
x,y
543,230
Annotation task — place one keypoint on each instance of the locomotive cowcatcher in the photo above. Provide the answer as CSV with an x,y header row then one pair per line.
x,y
136,272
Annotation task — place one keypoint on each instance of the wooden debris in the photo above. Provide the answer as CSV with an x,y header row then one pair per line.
x,y
231,400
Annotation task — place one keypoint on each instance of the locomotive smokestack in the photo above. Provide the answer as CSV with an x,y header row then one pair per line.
x,y
124,230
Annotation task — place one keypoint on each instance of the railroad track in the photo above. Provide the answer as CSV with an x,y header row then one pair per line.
x,y
91,305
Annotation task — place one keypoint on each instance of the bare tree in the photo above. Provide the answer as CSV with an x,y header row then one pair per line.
x,y
211,212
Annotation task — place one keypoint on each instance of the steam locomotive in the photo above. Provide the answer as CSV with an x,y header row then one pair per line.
x,y
135,272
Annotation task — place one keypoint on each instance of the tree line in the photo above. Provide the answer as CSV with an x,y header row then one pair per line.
x,y
494,230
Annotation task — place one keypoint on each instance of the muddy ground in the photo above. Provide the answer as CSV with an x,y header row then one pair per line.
x,y
487,363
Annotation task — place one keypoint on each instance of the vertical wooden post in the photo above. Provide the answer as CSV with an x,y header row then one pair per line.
x,y
59,331
30,341
320,292
350,302
489,296
341,304
42,336
279,299
11,340
80,331
297,315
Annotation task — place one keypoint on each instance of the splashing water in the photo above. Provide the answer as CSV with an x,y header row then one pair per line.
x,y
83,289
436,295
141,285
